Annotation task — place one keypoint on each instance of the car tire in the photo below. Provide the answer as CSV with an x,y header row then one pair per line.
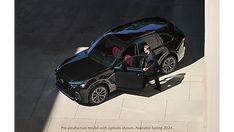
x,y
168,64
98,94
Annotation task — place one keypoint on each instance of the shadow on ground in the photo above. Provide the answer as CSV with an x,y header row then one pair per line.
x,y
166,84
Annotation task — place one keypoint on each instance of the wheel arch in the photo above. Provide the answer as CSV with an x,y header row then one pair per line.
x,y
170,54
173,54
99,82
92,88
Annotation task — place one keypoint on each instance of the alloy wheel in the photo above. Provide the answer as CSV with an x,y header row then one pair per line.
x,y
99,95
169,64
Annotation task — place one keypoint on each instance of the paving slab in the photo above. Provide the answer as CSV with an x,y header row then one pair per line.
x,y
50,90
37,124
53,103
178,92
24,106
196,68
196,127
197,78
197,91
45,105
184,111
62,107
20,124
20,85
29,87
178,75
141,108
108,110
33,63
56,124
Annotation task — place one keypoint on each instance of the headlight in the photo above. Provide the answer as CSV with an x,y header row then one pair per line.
x,y
82,85
75,84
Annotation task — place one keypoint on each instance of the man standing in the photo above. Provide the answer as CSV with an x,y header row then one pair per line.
x,y
151,67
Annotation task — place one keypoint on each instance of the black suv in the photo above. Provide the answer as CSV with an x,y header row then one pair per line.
x,y
115,60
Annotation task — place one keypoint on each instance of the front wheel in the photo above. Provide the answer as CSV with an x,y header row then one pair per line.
x,y
98,94
168,64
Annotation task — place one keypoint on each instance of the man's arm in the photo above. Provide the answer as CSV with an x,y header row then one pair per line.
x,y
150,61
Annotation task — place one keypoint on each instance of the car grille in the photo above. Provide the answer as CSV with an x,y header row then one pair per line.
x,y
65,91
63,81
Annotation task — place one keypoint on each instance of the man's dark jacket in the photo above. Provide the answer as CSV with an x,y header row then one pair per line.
x,y
151,63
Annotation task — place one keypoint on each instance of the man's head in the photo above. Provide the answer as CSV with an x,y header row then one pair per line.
x,y
146,48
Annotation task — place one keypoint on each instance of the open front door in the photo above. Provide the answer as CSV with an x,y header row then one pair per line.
x,y
129,74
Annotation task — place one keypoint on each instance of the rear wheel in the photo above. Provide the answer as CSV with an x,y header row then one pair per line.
x,y
168,64
98,94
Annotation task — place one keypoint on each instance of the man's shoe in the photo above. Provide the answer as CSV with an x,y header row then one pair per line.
x,y
160,89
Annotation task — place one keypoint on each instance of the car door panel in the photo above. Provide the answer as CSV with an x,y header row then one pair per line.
x,y
130,79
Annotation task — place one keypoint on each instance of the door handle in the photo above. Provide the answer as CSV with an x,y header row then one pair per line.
x,y
138,74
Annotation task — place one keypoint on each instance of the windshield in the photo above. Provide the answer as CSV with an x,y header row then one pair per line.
x,y
104,51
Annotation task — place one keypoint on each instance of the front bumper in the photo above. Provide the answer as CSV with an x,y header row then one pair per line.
x,y
78,95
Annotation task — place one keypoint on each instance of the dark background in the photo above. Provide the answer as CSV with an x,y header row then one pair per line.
x,y
48,31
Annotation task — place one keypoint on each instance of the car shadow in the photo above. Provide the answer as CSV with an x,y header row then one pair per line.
x,y
166,83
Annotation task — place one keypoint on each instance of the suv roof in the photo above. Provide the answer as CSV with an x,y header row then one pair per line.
x,y
139,27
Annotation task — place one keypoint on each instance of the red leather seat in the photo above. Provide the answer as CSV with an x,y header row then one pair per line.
x,y
128,60
115,51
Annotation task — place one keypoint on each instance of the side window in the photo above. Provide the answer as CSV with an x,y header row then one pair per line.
x,y
130,50
158,42
165,38
153,41
105,52
129,53
134,62
108,48
140,46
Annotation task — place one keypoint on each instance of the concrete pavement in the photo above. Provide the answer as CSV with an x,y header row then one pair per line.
x,y
179,107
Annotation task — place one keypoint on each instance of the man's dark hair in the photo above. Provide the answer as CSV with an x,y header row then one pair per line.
x,y
147,46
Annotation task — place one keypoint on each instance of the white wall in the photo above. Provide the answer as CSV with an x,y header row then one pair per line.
x,y
212,65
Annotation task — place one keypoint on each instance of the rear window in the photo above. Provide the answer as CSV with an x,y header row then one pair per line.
x,y
153,41
165,38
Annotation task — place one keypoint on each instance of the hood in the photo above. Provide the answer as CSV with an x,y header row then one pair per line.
x,y
80,67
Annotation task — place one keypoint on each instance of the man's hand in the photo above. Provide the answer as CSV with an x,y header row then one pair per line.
x,y
145,69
